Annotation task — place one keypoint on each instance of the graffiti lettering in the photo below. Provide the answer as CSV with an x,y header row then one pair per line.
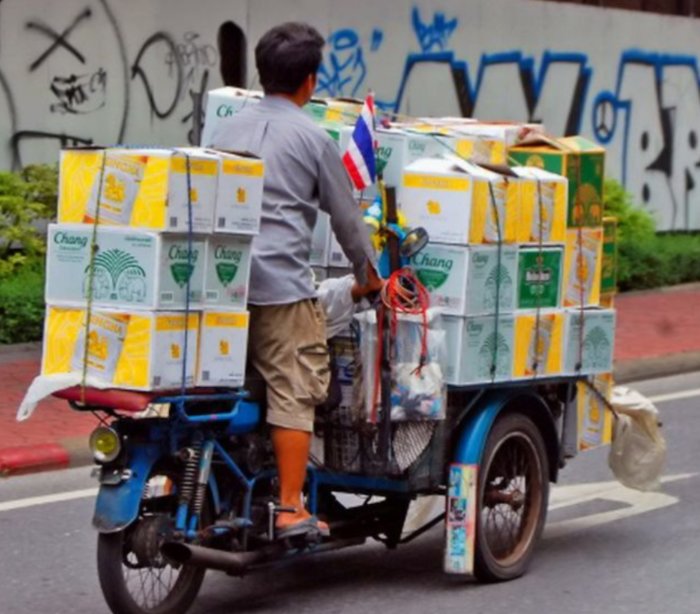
x,y
59,40
80,93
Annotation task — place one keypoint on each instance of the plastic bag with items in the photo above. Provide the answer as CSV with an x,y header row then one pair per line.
x,y
638,451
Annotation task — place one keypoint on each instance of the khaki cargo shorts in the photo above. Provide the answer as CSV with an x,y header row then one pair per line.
x,y
287,345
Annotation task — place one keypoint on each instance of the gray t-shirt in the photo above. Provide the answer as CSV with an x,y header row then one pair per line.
x,y
303,173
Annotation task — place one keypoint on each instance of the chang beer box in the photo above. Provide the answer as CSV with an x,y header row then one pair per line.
x,y
345,110
485,143
466,280
130,269
580,161
538,344
480,349
227,271
136,350
583,267
460,203
139,188
589,340
543,206
223,104
223,348
540,272
321,240
594,418
608,277
239,193
316,109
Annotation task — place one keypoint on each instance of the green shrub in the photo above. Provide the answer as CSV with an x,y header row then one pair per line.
x,y
22,304
645,259
26,199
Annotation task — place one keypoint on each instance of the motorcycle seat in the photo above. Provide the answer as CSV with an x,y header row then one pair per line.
x,y
91,398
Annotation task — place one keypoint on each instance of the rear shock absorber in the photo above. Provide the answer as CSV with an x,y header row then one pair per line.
x,y
188,482
207,452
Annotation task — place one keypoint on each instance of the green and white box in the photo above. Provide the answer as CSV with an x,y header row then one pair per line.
x,y
480,349
227,271
132,268
223,104
540,274
239,193
589,339
465,280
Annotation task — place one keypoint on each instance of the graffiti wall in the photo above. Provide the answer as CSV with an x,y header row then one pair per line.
x,y
113,71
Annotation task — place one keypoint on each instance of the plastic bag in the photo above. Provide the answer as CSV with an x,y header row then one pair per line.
x,y
638,451
335,295
417,393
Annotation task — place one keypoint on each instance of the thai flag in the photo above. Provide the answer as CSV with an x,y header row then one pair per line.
x,y
359,157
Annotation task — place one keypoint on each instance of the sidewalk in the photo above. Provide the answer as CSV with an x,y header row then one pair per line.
x,y
658,333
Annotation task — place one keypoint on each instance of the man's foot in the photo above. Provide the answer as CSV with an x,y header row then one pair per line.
x,y
289,525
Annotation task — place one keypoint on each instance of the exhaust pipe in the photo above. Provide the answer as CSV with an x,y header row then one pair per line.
x,y
198,556
237,563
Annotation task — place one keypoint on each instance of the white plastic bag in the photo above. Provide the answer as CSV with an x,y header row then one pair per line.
x,y
335,295
638,451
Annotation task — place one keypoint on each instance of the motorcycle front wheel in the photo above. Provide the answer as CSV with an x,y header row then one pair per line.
x,y
134,576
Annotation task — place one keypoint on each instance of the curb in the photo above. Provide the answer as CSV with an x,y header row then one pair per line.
x,y
658,366
21,460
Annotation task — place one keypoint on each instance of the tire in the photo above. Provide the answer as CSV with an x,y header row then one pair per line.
x,y
512,499
147,594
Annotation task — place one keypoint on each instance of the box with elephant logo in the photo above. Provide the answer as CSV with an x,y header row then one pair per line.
x,y
124,267
227,271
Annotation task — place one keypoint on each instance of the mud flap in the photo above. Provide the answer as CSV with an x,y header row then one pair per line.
x,y
460,520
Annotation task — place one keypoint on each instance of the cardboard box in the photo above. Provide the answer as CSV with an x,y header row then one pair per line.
x,y
485,143
540,272
608,278
460,203
475,344
223,348
594,418
227,271
239,193
589,341
583,266
544,206
223,104
580,161
538,344
132,268
140,188
136,350
463,280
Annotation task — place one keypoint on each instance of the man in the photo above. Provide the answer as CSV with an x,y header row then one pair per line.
x,y
303,173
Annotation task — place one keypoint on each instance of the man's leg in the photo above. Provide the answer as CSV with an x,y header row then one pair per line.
x,y
287,346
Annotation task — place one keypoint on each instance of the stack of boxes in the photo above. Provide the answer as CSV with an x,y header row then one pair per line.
x,y
136,229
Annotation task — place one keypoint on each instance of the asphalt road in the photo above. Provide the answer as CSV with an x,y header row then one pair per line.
x,y
606,549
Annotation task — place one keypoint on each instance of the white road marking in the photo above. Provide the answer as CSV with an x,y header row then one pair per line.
x,y
636,503
18,504
674,396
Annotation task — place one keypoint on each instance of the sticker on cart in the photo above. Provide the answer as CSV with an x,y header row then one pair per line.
x,y
461,519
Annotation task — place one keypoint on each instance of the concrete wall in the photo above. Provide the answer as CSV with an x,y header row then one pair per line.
x,y
134,71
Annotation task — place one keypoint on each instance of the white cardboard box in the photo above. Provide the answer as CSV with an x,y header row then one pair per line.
x,y
462,280
593,346
239,193
132,268
223,348
474,346
223,104
227,271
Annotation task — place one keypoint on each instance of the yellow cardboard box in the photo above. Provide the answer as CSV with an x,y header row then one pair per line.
x,y
461,203
239,193
538,344
544,205
583,267
143,188
594,419
138,350
223,348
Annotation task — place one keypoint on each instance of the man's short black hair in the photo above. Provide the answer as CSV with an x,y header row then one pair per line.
x,y
286,55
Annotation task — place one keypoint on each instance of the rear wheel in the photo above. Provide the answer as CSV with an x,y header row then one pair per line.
x,y
134,576
513,495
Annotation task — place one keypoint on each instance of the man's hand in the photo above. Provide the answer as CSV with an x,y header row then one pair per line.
x,y
374,284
